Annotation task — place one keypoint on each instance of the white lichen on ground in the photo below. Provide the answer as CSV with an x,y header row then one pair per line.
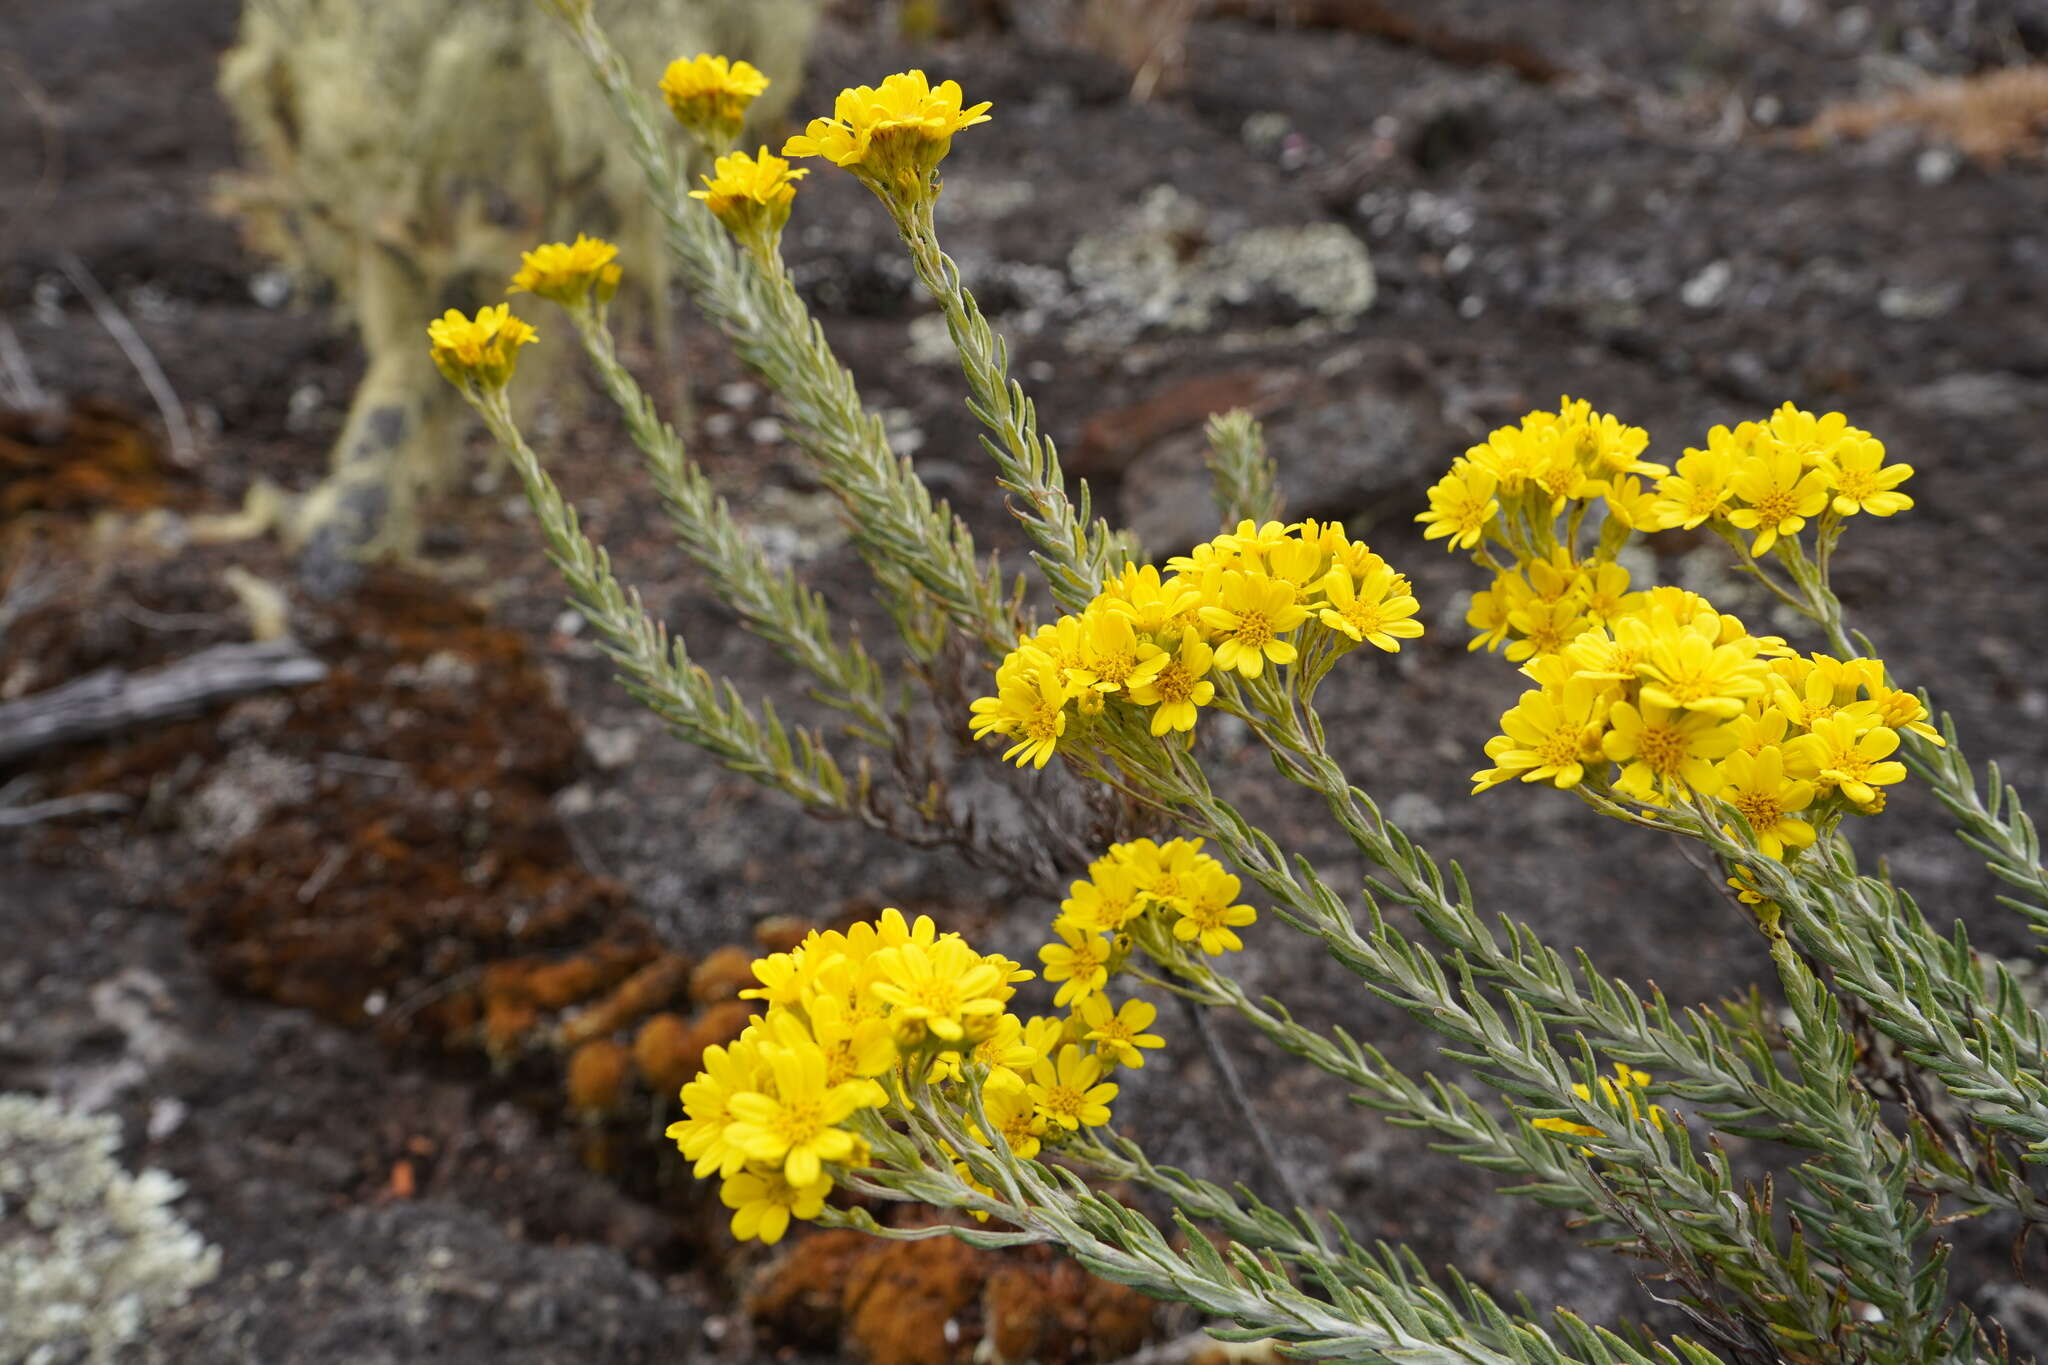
x,y
1167,266
89,1254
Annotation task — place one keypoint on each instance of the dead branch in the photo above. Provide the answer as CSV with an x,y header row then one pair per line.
x,y
115,699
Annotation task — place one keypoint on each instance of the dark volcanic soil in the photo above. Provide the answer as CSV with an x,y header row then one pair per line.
x,y
1623,220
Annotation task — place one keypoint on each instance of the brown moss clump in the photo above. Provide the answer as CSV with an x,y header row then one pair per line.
x,y
599,1073
661,1056
1991,116
782,933
640,994
941,1302
92,457
429,845
722,975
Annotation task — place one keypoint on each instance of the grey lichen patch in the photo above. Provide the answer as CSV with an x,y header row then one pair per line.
x,y
1168,265
89,1254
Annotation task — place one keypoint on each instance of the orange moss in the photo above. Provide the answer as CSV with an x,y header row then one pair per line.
x,y
781,933
799,1299
94,457
1017,1316
508,1025
722,975
661,1053
898,1301
598,1075
645,991
1990,117
890,1303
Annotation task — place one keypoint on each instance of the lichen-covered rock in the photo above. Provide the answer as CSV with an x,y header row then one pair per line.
x,y
89,1254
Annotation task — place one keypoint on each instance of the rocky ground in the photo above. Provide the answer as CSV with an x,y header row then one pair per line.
x,y
1384,241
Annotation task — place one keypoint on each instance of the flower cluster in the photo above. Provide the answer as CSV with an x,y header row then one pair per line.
x,y
709,96
570,273
1174,885
1653,695
1772,477
1769,478
892,136
849,1017
481,350
1164,643
1508,489
1671,701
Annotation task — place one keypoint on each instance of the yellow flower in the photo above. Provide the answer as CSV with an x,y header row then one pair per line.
x,y
1379,610
792,1129
1809,437
1155,606
1208,912
751,195
1862,481
1015,1116
1029,706
1849,755
1547,735
1756,785
570,272
709,96
1663,749
764,1200
1080,962
1113,658
1069,1092
1683,669
1546,627
1492,608
1119,1033
1780,493
944,990
480,351
1104,903
892,136
707,1105
1180,687
1249,612
1461,504
1904,711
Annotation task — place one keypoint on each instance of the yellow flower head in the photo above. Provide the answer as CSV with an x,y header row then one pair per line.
x,y
1780,493
788,1125
1862,481
1181,687
1119,1033
1379,610
1461,504
1757,785
893,137
482,350
763,1201
1249,611
570,272
1080,962
1068,1090
945,992
1029,707
751,195
1549,735
709,96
